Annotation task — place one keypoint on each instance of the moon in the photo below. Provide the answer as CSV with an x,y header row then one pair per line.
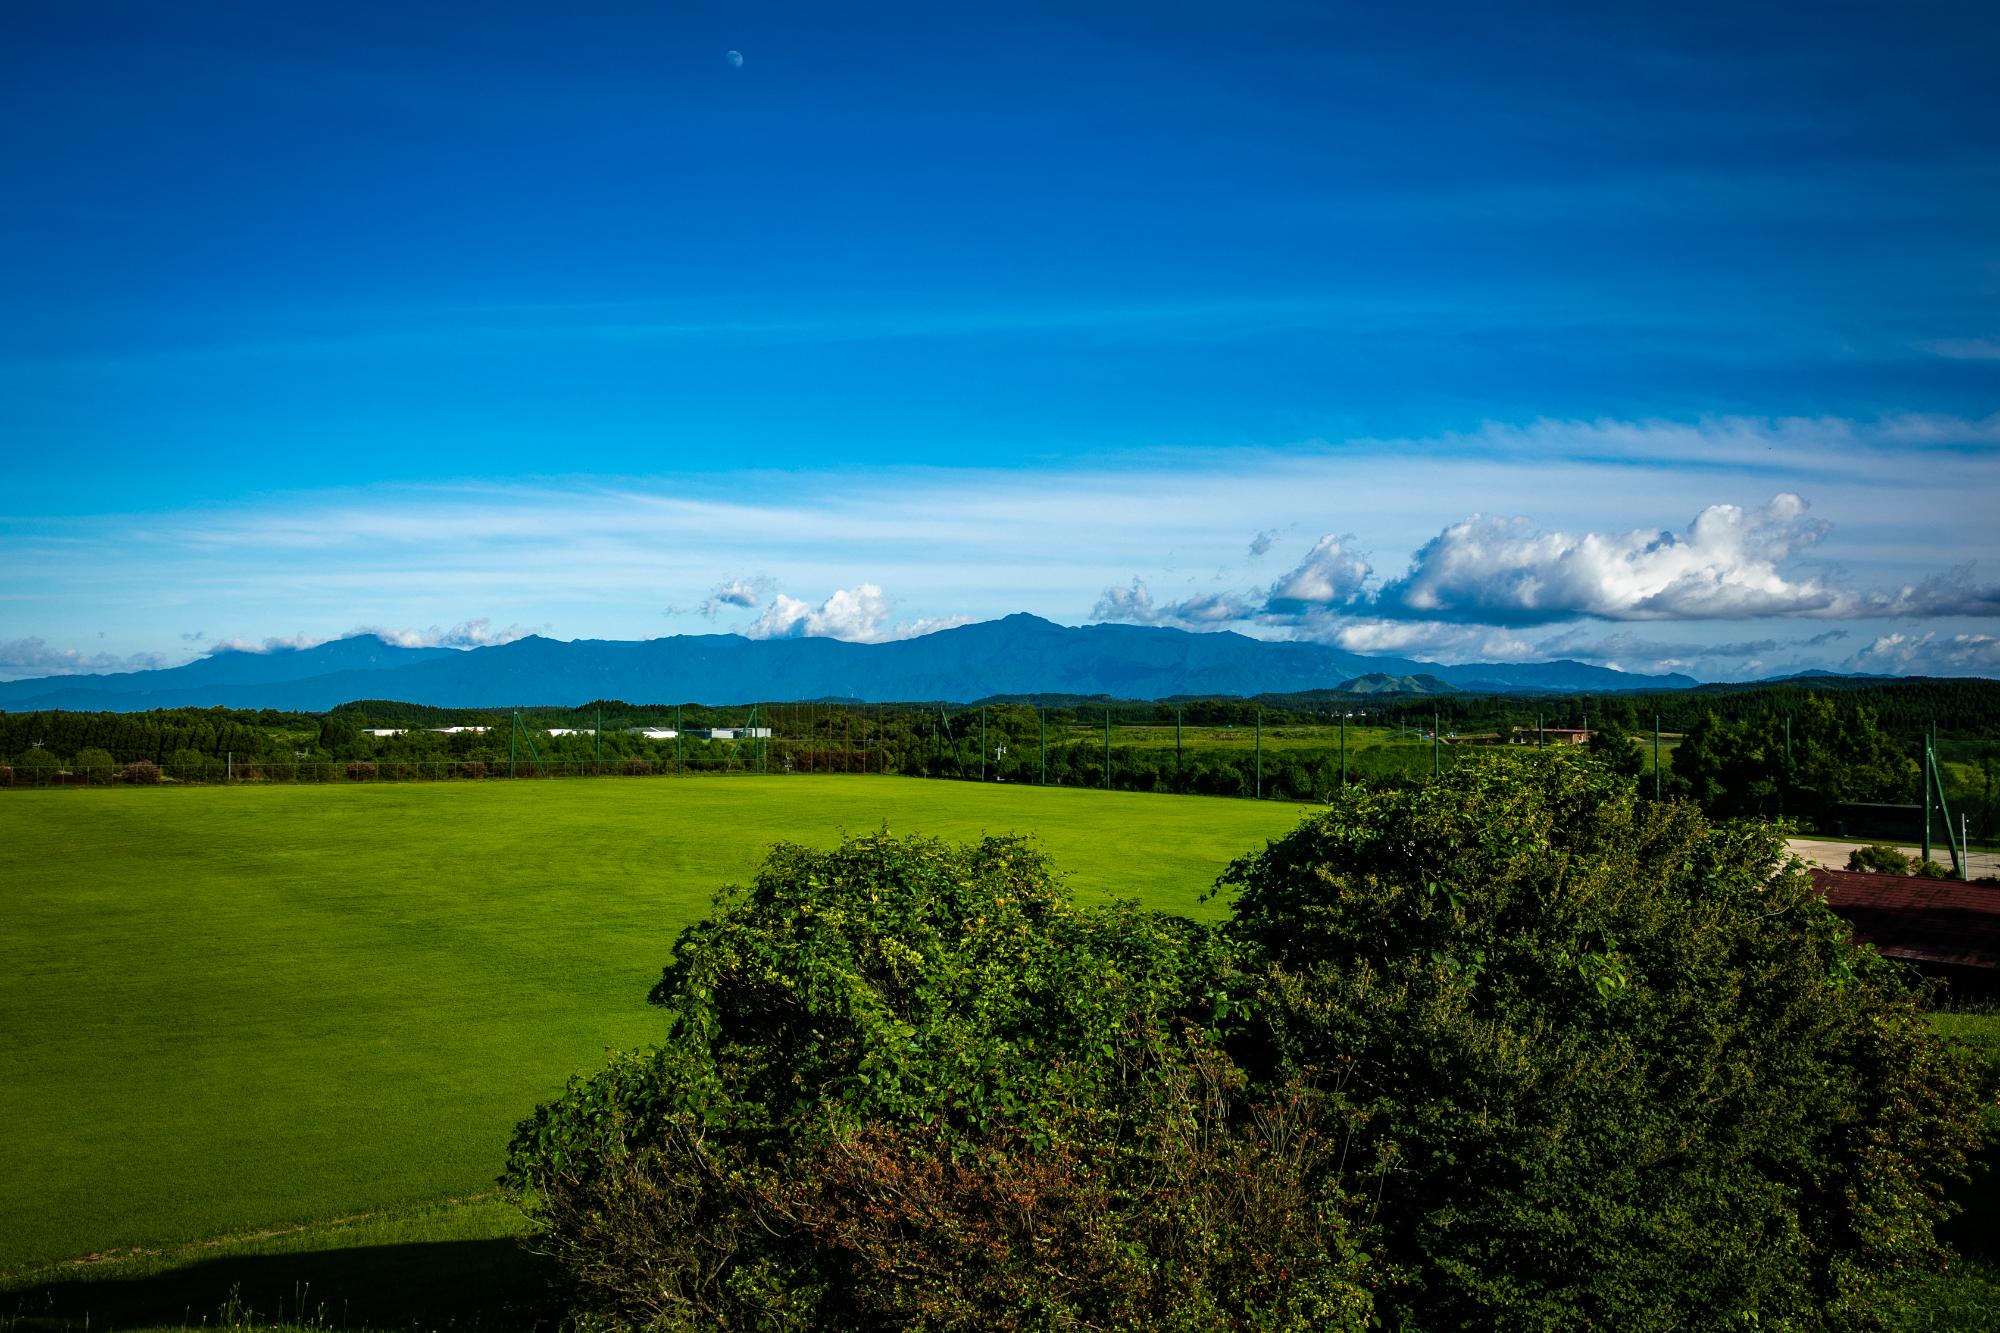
x,y
735,59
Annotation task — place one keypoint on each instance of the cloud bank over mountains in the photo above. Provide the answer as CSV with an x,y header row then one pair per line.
x,y
1397,546
1483,576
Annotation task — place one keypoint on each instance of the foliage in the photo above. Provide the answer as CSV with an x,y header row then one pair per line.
x,y
1880,859
1611,740
910,1085
1624,1067
141,772
1759,767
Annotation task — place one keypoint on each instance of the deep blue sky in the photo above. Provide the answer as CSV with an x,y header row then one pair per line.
x,y
297,263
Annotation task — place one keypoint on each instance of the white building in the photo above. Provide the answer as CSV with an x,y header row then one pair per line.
x,y
652,733
453,731
380,732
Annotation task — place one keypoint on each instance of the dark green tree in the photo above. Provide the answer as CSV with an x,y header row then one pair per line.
x,y
1621,1067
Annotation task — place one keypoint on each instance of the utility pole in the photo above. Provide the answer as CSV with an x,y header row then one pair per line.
x,y
1927,798
1435,742
982,742
1042,733
515,730
1343,751
1107,749
1260,754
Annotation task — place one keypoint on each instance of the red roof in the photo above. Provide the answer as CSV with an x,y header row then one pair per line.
x,y
1919,920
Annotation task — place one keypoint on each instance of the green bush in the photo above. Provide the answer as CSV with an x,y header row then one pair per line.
x,y
94,765
1627,1070
908,1085
1880,859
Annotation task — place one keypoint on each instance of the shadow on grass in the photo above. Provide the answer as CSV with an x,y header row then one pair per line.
x,y
490,1285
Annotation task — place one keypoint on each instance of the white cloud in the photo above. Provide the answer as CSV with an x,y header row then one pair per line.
x,y
735,592
1428,640
1929,654
1135,606
276,643
858,615
22,659
1952,593
465,634
1725,566
1332,574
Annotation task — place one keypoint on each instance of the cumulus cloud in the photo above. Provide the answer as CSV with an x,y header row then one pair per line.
x,y
1725,566
1332,574
1929,654
1428,640
1952,593
465,634
1135,606
22,659
741,592
858,615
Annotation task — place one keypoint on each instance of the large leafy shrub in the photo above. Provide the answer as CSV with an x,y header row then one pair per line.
x,y
909,1085
1630,1071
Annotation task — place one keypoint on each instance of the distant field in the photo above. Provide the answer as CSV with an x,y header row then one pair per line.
x,y
229,1008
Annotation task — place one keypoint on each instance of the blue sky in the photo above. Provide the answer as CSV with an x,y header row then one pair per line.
x,y
1390,329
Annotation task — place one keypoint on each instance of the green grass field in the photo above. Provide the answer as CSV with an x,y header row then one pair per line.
x,y
233,1008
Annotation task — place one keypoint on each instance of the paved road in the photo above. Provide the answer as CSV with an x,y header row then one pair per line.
x,y
1833,855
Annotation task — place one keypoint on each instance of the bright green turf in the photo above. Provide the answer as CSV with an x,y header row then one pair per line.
x,y
228,1008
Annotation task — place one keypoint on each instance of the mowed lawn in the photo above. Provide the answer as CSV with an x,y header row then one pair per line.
x,y
223,1009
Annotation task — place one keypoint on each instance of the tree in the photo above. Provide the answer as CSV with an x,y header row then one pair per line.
x,y
1612,741
908,1085
95,765
1759,767
1622,1067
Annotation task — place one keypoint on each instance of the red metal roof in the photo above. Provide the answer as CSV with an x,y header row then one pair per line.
x,y
1920,920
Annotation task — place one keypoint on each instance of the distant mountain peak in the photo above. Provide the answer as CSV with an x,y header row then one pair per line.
x,y
1017,656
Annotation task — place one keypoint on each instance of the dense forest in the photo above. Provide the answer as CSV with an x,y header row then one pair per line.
x,y
1796,749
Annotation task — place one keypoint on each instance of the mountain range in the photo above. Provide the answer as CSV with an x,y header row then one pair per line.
x,y
1017,655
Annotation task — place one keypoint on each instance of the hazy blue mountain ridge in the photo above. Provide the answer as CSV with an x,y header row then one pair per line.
x,y
1018,655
